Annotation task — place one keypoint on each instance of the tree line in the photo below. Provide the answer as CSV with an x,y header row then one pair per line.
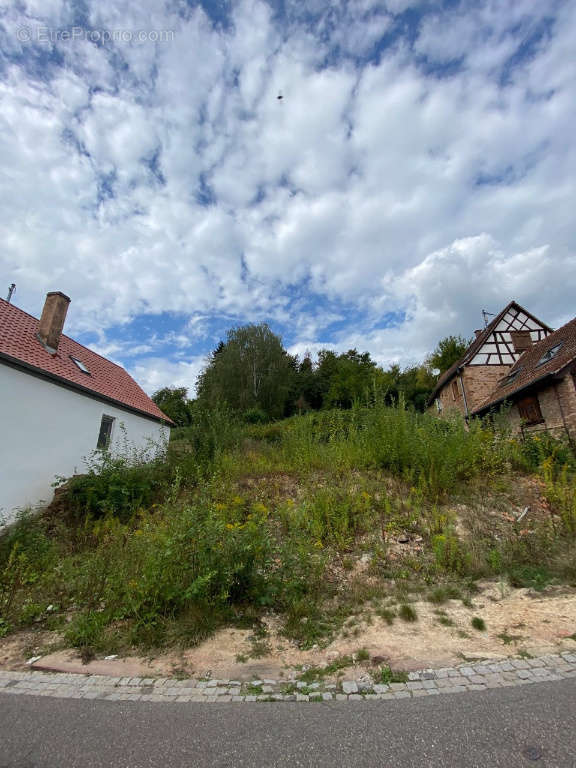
x,y
252,374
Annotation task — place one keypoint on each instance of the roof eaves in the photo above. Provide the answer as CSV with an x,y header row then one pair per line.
x,y
522,387
60,380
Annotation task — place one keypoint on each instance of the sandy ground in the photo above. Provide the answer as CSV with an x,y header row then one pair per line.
x,y
516,621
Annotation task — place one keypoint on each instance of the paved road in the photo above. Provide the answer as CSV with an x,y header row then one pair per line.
x,y
508,727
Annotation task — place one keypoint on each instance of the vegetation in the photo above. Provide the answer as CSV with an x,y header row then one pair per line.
x,y
174,402
250,372
241,520
478,623
252,375
447,352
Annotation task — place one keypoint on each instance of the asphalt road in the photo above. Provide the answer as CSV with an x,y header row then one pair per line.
x,y
523,726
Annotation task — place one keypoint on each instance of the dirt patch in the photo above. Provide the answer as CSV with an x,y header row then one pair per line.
x,y
518,621
17,649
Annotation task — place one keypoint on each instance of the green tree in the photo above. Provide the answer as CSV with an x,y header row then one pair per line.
x,y
447,352
307,390
345,378
174,402
251,369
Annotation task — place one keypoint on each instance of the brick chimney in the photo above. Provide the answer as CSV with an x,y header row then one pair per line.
x,y
477,333
52,320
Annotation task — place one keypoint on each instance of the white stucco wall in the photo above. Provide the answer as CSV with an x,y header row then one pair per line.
x,y
46,430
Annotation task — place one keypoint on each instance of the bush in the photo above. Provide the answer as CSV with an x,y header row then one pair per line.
x,y
407,613
255,416
533,576
478,623
115,486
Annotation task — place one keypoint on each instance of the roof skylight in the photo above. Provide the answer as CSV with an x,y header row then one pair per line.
x,y
510,378
549,354
80,365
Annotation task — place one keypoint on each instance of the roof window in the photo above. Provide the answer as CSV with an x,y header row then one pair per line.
x,y
510,378
80,365
549,354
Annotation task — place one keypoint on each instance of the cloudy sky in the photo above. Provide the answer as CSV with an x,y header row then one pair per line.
x,y
420,167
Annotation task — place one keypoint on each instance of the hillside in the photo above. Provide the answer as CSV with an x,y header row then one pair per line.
x,y
337,527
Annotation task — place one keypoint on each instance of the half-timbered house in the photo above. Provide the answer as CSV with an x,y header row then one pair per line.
x,y
469,382
540,388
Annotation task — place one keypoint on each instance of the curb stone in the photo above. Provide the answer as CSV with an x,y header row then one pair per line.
x,y
427,682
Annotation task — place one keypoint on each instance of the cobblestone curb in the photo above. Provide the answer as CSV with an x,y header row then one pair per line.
x,y
427,682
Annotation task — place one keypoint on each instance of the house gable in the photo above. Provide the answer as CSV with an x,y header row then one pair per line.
x,y
514,332
494,350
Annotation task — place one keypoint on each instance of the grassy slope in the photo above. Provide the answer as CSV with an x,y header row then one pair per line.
x,y
245,520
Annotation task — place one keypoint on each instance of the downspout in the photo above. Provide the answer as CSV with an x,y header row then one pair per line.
x,y
562,412
464,396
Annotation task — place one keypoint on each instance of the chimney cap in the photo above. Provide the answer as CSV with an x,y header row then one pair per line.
x,y
58,293
477,332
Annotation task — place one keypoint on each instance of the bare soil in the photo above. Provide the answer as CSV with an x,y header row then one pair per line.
x,y
518,621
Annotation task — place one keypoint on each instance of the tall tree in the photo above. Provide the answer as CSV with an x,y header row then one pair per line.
x,y
447,352
174,402
250,370
345,378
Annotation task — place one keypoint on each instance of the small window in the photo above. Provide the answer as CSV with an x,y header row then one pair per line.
x,y
80,365
521,340
549,354
455,391
529,410
510,378
105,433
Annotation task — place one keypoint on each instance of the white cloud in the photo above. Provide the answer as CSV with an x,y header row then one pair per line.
x,y
155,373
150,178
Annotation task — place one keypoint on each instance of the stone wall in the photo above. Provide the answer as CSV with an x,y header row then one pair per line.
x,y
558,405
480,381
450,402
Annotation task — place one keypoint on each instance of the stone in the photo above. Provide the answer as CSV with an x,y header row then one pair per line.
x,y
349,686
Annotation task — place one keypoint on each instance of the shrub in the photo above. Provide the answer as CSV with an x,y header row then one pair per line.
x,y
117,484
478,623
534,576
255,416
407,613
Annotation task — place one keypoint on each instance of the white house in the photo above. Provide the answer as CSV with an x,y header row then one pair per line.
x,y
59,402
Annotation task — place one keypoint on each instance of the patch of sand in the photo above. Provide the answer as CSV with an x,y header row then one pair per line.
x,y
516,620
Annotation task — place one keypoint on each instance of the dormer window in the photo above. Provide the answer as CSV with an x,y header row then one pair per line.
x,y
550,354
521,341
79,364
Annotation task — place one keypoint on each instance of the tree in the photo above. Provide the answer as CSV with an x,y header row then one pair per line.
x,y
447,352
251,369
307,392
174,402
345,378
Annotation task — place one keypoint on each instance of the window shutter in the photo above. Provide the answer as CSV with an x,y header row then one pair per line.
x,y
529,410
521,340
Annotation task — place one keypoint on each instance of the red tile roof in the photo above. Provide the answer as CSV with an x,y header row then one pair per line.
x,y
477,343
529,368
20,346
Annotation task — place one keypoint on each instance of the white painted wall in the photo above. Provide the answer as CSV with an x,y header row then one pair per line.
x,y
46,430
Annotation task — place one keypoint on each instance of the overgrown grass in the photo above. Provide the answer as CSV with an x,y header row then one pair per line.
x,y
239,520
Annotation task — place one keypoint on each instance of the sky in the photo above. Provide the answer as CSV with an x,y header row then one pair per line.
x,y
420,167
